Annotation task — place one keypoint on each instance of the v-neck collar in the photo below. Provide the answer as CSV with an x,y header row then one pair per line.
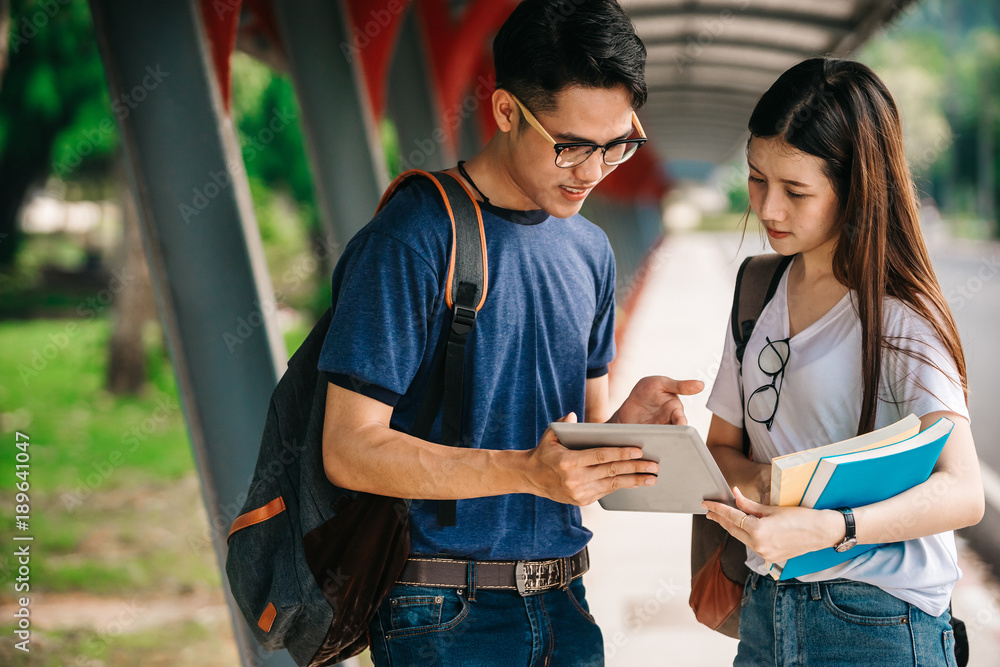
x,y
819,324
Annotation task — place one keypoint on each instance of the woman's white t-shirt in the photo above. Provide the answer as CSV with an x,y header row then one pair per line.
x,y
820,402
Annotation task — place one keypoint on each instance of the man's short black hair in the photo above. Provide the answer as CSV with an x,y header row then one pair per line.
x,y
547,45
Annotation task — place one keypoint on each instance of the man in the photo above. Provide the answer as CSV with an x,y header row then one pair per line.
x,y
569,76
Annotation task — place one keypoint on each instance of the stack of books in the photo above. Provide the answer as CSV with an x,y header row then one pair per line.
x,y
852,473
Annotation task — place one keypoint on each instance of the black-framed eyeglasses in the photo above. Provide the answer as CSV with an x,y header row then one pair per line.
x,y
763,402
576,153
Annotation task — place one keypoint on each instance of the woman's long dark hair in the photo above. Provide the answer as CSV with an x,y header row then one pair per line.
x,y
842,113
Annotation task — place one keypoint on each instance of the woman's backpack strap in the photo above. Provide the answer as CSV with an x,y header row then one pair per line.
x,y
756,283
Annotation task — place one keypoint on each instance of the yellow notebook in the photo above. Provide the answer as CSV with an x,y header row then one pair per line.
x,y
790,474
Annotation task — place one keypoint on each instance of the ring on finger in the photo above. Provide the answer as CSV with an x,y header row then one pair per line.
x,y
742,520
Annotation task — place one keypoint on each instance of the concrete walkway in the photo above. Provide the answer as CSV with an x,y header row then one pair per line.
x,y
640,579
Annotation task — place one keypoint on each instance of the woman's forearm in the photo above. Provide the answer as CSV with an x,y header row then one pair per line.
x,y
951,498
946,501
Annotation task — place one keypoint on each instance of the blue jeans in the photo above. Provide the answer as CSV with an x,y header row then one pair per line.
x,y
421,625
837,622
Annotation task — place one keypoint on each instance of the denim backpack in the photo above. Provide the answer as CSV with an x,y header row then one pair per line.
x,y
308,562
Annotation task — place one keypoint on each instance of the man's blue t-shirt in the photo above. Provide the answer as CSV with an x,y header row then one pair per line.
x,y
546,326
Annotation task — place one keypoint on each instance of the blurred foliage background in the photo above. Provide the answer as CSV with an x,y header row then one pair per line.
x,y
941,61
942,64
83,365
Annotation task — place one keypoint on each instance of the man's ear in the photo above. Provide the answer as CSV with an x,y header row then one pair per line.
x,y
505,111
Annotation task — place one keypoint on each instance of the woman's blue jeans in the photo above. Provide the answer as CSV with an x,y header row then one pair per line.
x,y
421,625
838,622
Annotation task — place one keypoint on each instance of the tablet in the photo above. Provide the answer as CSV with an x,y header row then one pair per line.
x,y
688,474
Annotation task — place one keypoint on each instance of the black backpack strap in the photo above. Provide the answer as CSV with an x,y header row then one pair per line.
x,y
465,294
961,639
756,283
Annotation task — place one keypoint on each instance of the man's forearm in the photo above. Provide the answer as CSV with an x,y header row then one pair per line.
x,y
377,459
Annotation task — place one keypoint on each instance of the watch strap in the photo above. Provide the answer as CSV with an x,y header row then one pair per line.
x,y
851,533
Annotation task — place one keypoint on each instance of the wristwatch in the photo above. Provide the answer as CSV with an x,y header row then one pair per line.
x,y
851,537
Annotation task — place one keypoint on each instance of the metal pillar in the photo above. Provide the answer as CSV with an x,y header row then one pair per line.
x,y
200,235
411,101
342,139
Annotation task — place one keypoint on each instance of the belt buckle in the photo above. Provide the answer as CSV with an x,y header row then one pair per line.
x,y
521,579
543,576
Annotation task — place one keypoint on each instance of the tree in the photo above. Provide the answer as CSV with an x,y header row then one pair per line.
x,y
942,64
134,305
52,104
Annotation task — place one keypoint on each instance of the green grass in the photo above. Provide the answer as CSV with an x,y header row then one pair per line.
x,y
191,644
113,491
83,439
89,575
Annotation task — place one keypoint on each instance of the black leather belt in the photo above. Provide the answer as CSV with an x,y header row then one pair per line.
x,y
527,577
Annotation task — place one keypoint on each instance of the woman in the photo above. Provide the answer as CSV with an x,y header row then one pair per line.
x,y
857,336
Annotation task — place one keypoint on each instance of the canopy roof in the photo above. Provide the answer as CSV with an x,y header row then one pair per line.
x,y
710,60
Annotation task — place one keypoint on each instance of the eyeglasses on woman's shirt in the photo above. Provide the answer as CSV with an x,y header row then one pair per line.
x,y
763,402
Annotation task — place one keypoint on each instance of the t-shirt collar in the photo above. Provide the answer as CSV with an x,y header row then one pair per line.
x,y
532,217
